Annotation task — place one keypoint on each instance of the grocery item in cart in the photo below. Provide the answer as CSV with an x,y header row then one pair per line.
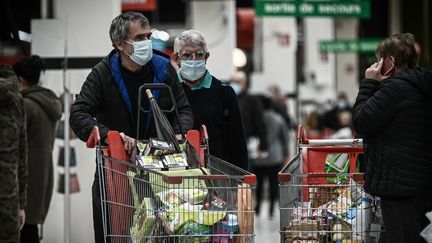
x,y
189,179
155,147
176,217
302,229
175,161
227,227
175,197
143,221
150,162
193,232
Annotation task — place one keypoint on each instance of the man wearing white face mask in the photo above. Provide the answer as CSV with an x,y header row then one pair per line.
x,y
214,103
109,95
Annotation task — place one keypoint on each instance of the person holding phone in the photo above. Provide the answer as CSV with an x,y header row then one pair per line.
x,y
393,113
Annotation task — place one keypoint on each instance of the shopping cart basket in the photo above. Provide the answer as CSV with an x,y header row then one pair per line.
x,y
321,194
207,204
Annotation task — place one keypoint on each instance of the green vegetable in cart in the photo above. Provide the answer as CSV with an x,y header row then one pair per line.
x,y
192,232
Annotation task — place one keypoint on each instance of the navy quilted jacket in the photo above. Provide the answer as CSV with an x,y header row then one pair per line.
x,y
395,119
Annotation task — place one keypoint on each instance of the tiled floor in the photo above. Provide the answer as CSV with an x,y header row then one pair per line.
x,y
266,229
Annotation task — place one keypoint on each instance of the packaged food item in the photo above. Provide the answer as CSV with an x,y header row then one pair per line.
x,y
144,219
214,203
302,210
192,232
176,197
176,160
150,161
361,223
175,217
339,206
302,229
227,228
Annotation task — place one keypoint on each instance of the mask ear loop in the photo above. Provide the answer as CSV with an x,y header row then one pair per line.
x,y
129,55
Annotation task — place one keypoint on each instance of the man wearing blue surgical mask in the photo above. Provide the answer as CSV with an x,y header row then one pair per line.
x,y
214,103
109,96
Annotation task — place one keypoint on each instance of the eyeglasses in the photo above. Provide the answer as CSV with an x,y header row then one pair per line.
x,y
192,55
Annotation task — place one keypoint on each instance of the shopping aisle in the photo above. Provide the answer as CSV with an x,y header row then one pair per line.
x,y
266,229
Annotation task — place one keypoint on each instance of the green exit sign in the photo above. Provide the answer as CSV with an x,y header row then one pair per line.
x,y
310,8
340,46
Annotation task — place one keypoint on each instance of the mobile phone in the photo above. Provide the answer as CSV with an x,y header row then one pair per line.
x,y
387,67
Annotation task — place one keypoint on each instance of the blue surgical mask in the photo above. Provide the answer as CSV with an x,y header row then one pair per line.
x,y
192,69
236,87
142,53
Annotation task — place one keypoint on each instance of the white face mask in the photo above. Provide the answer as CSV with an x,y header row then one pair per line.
x,y
142,53
192,69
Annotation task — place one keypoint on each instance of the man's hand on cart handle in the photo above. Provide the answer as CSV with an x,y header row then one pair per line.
x,y
129,143
179,137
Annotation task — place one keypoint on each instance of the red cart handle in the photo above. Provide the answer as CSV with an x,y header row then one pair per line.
x,y
94,138
300,135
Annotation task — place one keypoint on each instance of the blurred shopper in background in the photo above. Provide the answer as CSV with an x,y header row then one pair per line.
x,y
394,115
252,115
43,110
345,130
331,117
279,103
311,125
109,96
13,157
213,102
277,154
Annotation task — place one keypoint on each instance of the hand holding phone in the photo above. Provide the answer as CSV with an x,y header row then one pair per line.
x,y
387,67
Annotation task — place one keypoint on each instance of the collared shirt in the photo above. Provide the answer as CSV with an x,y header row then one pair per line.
x,y
205,83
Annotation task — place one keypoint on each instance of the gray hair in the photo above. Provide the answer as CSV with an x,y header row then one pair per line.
x,y
190,38
119,29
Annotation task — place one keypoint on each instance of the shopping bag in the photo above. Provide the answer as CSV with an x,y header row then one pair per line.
x,y
245,211
72,157
73,183
59,131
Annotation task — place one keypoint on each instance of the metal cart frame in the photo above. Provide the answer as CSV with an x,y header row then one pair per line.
x,y
318,204
132,197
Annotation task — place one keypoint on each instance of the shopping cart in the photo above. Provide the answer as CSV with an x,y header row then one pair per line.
x,y
207,204
322,197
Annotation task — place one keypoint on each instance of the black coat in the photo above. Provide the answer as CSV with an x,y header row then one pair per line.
x,y
395,119
217,108
103,101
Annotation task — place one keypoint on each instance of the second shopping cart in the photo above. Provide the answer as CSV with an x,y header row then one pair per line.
x,y
322,197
